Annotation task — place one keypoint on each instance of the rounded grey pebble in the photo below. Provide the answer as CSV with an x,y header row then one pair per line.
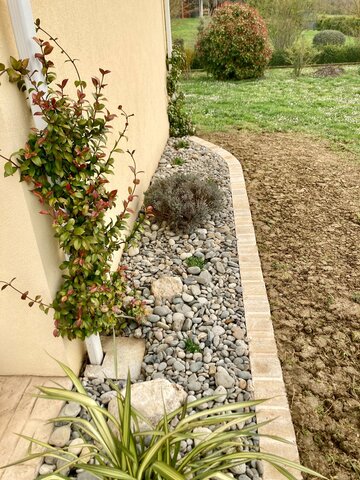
x,y
153,318
194,270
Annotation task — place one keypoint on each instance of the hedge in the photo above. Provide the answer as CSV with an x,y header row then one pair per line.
x,y
327,54
347,24
339,54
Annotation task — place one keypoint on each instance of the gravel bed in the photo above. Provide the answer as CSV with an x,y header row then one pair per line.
x,y
197,340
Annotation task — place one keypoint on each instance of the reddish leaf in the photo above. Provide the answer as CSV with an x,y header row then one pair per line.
x,y
48,48
95,81
24,295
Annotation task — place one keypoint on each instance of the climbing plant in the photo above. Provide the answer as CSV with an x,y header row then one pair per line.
x,y
179,118
66,164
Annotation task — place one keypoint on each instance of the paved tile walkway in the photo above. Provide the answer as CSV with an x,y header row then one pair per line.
x,y
21,412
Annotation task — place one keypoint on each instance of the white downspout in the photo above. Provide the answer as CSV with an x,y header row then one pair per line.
x,y
168,28
24,32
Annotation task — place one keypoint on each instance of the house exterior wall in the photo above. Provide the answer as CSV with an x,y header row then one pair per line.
x,y
128,38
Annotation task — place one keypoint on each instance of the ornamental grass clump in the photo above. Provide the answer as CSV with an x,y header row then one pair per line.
x,y
235,44
183,200
65,164
117,449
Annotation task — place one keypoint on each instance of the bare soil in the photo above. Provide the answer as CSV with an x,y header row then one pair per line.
x,y
305,202
329,71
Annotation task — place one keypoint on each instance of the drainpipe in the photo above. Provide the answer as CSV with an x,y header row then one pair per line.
x,y
24,32
168,27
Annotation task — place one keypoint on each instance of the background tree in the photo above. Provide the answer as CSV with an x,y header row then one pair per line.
x,y
338,7
176,8
285,19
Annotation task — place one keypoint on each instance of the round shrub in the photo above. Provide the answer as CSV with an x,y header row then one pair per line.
x,y
183,200
280,58
235,44
329,37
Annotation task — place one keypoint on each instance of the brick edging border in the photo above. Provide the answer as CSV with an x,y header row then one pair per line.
x,y
265,365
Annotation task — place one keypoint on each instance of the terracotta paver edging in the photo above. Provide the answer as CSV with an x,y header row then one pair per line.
x,y
265,365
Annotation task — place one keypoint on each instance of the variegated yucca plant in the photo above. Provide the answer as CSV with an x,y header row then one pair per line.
x,y
119,450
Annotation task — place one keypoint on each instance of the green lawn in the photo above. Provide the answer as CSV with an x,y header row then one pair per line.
x,y
187,29
324,107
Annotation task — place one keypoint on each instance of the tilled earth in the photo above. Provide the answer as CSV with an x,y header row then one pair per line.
x,y
305,202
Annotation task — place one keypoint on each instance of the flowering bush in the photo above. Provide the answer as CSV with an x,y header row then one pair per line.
x,y
65,164
235,44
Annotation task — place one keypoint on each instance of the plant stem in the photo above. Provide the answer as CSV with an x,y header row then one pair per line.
x,y
9,160
62,50
24,294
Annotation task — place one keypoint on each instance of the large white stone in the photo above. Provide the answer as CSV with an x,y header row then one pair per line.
x,y
128,356
150,399
165,288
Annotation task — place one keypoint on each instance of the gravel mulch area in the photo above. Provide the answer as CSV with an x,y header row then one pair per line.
x,y
198,339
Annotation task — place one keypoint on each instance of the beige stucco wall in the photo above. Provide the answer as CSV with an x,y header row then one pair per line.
x,y
128,38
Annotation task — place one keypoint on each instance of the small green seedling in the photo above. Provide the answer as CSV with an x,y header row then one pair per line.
x,y
195,262
191,346
181,144
178,161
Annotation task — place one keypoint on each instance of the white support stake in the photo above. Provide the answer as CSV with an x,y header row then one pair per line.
x,y
94,349
24,32
168,28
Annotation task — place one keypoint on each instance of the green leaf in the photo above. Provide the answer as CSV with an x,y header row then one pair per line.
x,y
77,244
37,161
16,64
9,169
107,472
167,471
78,231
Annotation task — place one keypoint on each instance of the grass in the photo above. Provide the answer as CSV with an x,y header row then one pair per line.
x,y
323,107
187,29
